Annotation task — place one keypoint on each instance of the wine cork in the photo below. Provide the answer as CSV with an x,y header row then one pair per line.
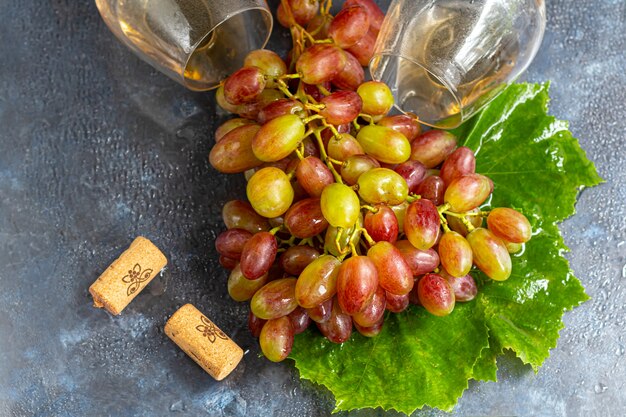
x,y
203,341
127,276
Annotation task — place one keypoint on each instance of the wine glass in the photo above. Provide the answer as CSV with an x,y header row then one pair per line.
x,y
195,42
446,59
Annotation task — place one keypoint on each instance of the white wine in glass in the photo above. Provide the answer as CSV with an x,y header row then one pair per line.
x,y
195,42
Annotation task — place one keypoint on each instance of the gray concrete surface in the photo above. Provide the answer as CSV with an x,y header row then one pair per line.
x,y
96,148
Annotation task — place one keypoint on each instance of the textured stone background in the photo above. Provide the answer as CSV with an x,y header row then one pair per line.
x,y
96,148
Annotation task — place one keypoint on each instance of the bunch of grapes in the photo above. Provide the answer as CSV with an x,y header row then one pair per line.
x,y
351,211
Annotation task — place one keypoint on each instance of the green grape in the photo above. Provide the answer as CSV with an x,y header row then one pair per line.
x,y
455,254
344,147
456,224
269,191
241,288
377,98
276,339
513,247
467,192
490,254
384,144
340,205
318,281
509,225
400,212
382,185
275,299
278,138
356,165
229,125
268,62
348,236
233,153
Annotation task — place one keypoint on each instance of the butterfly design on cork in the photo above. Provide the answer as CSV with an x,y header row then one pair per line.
x,y
135,277
209,330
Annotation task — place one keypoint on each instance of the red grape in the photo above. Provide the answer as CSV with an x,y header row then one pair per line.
x,y
460,162
509,225
305,218
349,26
258,254
371,331
238,214
467,192
381,225
394,274
300,320
356,283
413,173
320,63
420,261
241,288
351,75
317,282
313,175
278,138
363,49
341,107
396,303
296,258
433,147
275,299
373,311
255,324
244,85
233,153
464,287
455,254
490,254
432,188
338,328
435,294
373,10
421,224
231,242
278,108
402,123
276,339
321,313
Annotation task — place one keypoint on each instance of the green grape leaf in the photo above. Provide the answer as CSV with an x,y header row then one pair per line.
x,y
419,360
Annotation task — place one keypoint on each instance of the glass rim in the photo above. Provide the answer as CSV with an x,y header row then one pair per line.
x,y
434,124
203,38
